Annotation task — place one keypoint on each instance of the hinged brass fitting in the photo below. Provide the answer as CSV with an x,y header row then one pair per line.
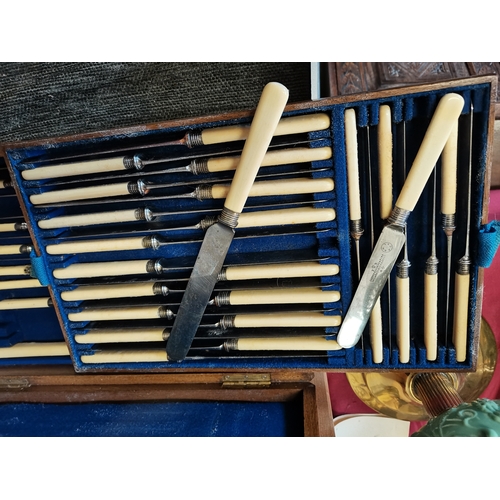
x,y
246,380
14,384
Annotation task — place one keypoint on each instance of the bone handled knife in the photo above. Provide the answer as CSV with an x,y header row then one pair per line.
x,y
155,266
34,350
392,238
248,344
217,135
219,236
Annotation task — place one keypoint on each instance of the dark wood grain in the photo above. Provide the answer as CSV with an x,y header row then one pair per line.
x,y
60,384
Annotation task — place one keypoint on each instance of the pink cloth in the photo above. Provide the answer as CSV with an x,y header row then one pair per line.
x,y
344,400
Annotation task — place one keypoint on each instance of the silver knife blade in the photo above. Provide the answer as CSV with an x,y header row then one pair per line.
x,y
199,288
372,282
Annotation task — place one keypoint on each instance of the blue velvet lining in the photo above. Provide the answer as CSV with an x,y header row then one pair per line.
x,y
22,325
153,419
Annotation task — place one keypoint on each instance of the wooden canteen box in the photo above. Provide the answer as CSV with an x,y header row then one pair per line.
x,y
116,220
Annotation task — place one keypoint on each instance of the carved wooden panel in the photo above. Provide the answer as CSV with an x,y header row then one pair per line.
x,y
396,73
356,77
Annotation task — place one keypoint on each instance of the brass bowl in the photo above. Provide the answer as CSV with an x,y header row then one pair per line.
x,y
390,393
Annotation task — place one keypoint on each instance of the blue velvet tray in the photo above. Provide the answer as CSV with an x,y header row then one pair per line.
x,y
22,325
327,242
158,419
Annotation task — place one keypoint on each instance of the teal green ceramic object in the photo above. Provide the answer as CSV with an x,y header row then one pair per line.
x,y
480,418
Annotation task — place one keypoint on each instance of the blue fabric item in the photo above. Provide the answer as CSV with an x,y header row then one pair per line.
x,y
38,269
148,419
489,239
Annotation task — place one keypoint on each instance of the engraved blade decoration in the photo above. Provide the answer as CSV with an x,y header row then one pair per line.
x,y
392,237
377,271
200,286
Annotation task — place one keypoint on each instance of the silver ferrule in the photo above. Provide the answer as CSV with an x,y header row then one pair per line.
x,y
222,276
20,226
399,216
194,139
154,266
160,289
138,163
165,313
207,222
144,214
403,269
165,334
231,345
203,192
7,184
448,223
222,299
138,187
356,229
199,166
25,249
431,265
226,322
229,218
128,162
463,267
151,242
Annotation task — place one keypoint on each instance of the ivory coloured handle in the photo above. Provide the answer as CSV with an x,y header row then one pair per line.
x,y
447,113
109,336
89,219
104,245
460,319
430,315
449,173
287,344
376,340
85,193
31,303
17,284
7,227
34,350
70,169
403,318
97,292
305,215
292,125
351,142
15,270
9,249
288,320
264,123
306,295
271,158
243,344
385,161
248,344
124,313
280,187
289,270
134,356
96,269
